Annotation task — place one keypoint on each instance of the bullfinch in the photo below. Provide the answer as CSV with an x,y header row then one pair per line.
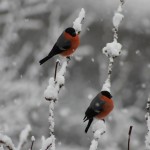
x,y
99,108
66,44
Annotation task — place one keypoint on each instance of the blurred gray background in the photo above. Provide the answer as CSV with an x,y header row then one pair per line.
x,y
28,30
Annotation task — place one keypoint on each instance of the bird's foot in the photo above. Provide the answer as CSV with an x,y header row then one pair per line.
x,y
69,58
103,120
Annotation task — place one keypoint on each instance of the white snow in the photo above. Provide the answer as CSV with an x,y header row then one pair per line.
x,y
94,145
99,125
92,59
117,19
64,112
51,117
51,91
147,116
23,136
32,138
53,88
7,141
112,49
106,86
147,138
47,143
77,24
1,147
99,128
118,16
90,96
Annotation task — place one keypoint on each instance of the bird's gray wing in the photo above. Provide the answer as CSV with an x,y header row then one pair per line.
x,y
97,104
63,43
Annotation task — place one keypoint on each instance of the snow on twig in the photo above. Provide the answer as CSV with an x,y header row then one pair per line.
x,y
98,128
55,84
77,24
5,140
32,142
48,143
51,94
147,116
23,136
113,49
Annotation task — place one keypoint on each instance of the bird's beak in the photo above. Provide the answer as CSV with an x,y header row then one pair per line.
x,y
79,32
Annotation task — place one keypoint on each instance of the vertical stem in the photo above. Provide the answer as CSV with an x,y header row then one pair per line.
x,y
51,117
51,123
122,2
56,66
147,109
130,130
110,65
32,145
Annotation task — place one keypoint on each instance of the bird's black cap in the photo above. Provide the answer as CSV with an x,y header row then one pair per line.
x,y
71,31
106,93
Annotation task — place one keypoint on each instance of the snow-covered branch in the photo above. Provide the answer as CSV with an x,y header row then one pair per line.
x,y
32,142
23,136
147,116
5,140
77,24
55,84
98,128
51,94
113,49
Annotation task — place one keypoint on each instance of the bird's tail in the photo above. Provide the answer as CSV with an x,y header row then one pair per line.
x,y
88,125
45,59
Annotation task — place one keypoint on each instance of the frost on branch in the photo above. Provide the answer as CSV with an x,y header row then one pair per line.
x,y
98,128
46,144
117,19
147,138
51,94
112,49
77,24
23,136
5,140
52,91
106,86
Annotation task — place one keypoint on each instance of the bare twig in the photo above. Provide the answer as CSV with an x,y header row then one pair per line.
x,y
32,145
130,131
56,66
48,146
32,142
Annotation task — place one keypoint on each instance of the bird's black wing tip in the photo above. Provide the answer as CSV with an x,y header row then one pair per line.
x,y
40,62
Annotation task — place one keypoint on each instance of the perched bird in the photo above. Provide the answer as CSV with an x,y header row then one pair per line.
x,y
66,44
99,108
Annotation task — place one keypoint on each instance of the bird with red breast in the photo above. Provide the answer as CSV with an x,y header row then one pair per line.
x,y
99,108
66,44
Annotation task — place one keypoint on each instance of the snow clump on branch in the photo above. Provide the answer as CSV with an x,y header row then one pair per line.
x,y
77,24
